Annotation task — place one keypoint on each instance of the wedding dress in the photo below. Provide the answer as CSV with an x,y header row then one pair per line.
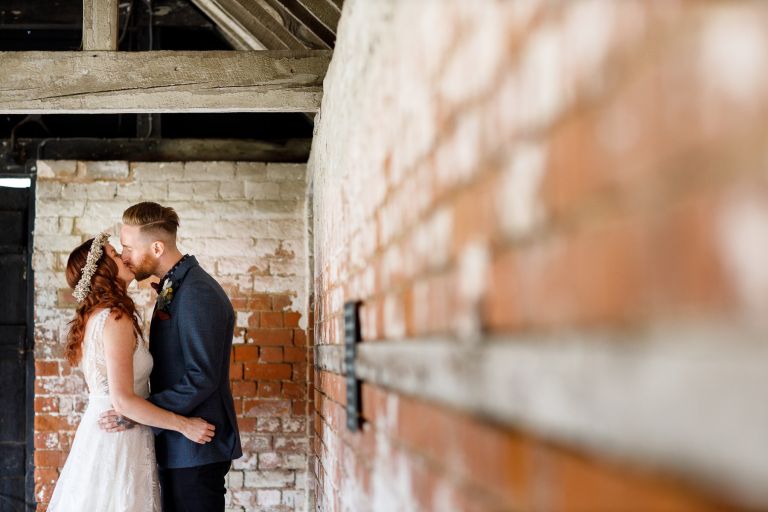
x,y
108,471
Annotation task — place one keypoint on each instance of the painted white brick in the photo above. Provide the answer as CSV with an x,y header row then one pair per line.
x,y
254,171
518,204
293,424
268,498
248,461
268,478
244,500
48,189
47,225
293,190
67,225
286,229
191,210
157,171
209,171
282,442
241,265
301,478
239,247
242,318
228,228
52,208
60,262
154,191
180,191
129,191
257,209
203,190
236,479
734,47
57,242
107,170
101,190
56,168
262,190
91,226
291,267
74,191
242,282
293,498
42,260
295,461
286,172
234,189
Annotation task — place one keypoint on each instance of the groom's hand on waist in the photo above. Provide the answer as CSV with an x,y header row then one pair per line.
x,y
113,422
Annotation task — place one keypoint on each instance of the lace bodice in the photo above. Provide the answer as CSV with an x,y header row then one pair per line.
x,y
94,364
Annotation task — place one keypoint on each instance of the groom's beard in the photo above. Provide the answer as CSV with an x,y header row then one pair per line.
x,y
145,268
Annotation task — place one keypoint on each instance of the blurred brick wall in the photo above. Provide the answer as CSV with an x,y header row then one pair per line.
x,y
496,167
246,224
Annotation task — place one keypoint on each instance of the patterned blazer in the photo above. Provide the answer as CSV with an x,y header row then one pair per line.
x,y
191,345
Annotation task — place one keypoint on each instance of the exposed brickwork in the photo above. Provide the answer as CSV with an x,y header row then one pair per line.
x,y
246,224
496,167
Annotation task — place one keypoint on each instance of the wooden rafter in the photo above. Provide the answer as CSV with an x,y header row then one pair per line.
x,y
310,28
275,24
163,81
326,11
240,37
248,25
268,29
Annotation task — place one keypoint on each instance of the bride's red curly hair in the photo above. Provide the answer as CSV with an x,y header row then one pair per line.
x,y
107,291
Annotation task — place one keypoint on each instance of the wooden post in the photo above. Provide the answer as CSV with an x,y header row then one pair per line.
x,y
100,25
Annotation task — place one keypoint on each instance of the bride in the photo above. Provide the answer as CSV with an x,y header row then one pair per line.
x,y
112,471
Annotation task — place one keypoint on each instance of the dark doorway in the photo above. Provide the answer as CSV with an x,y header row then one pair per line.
x,y
16,360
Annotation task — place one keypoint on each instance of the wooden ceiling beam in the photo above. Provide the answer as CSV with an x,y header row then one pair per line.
x,y
162,81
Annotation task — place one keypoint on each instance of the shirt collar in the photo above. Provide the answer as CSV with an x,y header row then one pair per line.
x,y
179,270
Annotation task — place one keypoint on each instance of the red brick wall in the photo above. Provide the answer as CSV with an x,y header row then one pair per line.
x,y
269,384
516,168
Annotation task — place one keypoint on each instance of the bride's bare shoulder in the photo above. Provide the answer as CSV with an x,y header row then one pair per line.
x,y
118,323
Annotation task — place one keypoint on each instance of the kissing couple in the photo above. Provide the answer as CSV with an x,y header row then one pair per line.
x,y
159,431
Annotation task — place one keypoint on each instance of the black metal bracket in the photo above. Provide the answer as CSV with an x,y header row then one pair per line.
x,y
352,336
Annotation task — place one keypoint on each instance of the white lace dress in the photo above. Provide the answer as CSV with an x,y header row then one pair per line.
x,y
113,472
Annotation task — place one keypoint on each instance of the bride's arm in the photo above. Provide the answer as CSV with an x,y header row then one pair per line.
x,y
119,344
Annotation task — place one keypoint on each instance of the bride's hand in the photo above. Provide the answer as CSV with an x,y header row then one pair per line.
x,y
113,422
197,430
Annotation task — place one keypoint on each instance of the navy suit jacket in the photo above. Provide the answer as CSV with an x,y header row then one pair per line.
x,y
190,376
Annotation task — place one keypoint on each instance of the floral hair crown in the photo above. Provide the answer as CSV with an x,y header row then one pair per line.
x,y
83,287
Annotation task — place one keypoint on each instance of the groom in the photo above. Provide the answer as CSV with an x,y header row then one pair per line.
x,y
190,339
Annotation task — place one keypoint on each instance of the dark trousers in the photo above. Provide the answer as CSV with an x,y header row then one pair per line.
x,y
195,489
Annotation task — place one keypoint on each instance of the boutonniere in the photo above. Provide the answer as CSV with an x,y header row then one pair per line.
x,y
164,298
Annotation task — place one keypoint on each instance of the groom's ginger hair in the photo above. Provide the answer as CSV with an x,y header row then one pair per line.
x,y
153,218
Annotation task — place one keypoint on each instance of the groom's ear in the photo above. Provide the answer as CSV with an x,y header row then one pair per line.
x,y
158,248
